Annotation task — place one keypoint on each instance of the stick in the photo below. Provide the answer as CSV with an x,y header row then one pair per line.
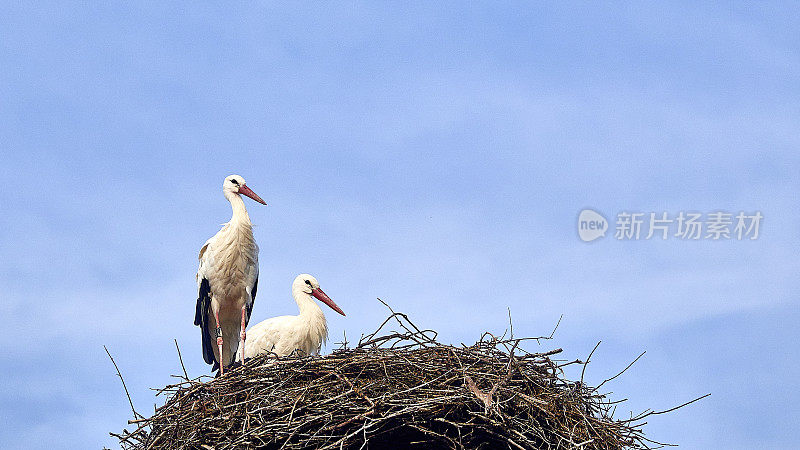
x,y
623,370
135,414
185,375
589,359
653,413
556,327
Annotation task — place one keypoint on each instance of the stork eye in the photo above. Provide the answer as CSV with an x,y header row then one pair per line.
x,y
234,181
308,282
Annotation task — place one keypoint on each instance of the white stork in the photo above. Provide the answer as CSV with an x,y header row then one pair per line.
x,y
285,334
227,279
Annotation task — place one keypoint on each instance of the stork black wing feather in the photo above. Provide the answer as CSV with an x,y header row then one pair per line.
x,y
253,296
201,319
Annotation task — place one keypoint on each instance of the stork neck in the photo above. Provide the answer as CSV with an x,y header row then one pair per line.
x,y
308,307
312,320
239,211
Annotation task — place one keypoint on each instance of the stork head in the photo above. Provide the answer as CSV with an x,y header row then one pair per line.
x,y
309,285
234,184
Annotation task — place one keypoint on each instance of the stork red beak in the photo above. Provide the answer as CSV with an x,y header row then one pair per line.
x,y
243,189
323,297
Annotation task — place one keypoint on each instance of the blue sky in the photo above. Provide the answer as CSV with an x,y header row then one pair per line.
x,y
435,156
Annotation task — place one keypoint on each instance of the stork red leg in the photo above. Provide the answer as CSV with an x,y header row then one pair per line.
x,y
219,342
243,335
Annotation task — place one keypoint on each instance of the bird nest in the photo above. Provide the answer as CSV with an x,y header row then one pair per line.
x,y
393,390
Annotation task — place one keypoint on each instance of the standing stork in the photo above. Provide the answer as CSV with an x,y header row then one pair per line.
x,y
285,334
227,280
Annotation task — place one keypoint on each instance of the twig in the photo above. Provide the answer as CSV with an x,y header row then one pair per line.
x,y
135,414
653,413
185,375
589,358
623,371
556,327
510,323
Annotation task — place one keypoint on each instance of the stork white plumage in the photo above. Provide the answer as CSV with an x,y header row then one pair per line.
x,y
285,334
227,279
